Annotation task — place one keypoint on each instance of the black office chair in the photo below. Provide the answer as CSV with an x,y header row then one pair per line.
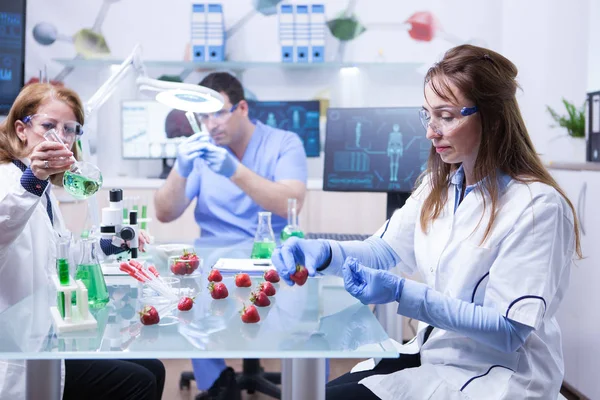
x,y
251,379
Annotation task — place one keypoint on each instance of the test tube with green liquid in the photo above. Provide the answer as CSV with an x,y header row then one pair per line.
x,y
62,260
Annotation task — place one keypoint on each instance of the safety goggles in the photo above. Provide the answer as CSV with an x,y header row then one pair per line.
x,y
445,120
42,123
219,116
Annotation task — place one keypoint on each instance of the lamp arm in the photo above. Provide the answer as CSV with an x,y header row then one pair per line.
x,y
134,61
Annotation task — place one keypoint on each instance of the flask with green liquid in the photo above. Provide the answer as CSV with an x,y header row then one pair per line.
x,y
90,273
292,228
264,240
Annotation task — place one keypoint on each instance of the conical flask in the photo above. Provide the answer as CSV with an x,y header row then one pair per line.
x,y
292,228
90,272
264,240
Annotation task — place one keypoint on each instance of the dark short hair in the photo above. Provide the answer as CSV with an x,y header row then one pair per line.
x,y
226,83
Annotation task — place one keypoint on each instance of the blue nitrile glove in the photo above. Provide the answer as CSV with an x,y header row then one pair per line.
x,y
371,286
187,151
219,159
310,253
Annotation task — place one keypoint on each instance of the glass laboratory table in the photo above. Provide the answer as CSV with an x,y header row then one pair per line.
x,y
302,326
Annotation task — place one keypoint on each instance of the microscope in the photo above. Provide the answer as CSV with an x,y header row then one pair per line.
x,y
114,227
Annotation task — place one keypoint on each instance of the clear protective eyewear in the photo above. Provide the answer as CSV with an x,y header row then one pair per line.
x,y
42,123
219,116
446,119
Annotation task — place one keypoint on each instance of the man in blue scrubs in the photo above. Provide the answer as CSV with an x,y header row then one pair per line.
x,y
242,168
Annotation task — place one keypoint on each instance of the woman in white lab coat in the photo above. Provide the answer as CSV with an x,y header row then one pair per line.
x,y
31,222
491,235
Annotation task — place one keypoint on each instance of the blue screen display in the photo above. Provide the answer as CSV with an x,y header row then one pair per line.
x,y
300,117
12,45
374,149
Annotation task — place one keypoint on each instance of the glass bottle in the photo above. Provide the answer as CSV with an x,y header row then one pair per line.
x,y
264,240
292,228
90,273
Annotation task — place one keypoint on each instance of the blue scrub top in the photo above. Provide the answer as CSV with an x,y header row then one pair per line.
x,y
223,210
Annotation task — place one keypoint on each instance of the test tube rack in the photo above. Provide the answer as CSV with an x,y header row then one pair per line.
x,y
76,318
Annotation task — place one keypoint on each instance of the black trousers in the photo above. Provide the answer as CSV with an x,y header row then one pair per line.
x,y
346,387
114,379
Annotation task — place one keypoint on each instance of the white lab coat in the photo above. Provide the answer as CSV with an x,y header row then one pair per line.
x,y
522,270
27,254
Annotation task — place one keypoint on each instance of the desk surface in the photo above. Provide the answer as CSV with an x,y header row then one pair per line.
x,y
319,319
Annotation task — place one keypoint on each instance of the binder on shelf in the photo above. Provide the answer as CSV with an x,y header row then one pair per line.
x,y
317,33
198,33
302,33
215,32
593,127
286,33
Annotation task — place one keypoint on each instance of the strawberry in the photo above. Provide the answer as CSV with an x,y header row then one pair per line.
x,y
215,276
243,280
267,288
300,276
185,304
260,299
250,315
179,268
192,258
149,316
271,276
218,290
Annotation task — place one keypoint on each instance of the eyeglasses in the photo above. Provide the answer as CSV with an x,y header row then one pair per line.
x,y
219,116
42,123
446,119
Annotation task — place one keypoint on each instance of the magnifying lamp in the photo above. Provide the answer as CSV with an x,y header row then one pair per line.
x,y
181,96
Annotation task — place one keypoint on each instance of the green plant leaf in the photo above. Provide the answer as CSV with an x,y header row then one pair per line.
x,y
574,121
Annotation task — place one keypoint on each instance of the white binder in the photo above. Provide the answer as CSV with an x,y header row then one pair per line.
x,y
286,33
198,32
317,33
302,33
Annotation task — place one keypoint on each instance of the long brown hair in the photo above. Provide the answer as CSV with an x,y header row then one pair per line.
x,y
488,79
27,103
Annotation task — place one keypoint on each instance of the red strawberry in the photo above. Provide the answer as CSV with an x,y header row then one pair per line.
x,y
243,280
268,288
215,276
218,290
149,316
192,258
185,304
250,315
271,276
260,299
300,276
179,267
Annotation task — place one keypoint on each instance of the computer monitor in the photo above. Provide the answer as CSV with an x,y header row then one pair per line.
x,y
300,117
375,150
150,130
12,52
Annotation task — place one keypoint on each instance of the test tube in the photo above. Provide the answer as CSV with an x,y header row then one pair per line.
x,y
62,260
144,213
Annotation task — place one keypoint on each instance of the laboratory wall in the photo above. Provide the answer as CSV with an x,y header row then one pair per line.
x,y
547,39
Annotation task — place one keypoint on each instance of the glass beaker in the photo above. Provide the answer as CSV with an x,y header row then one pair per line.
x,y
83,179
90,273
292,228
264,240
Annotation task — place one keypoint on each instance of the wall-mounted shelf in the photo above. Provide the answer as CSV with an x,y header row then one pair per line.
x,y
240,65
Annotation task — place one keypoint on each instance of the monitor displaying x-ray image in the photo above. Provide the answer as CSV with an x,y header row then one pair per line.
x,y
300,117
152,130
374,149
